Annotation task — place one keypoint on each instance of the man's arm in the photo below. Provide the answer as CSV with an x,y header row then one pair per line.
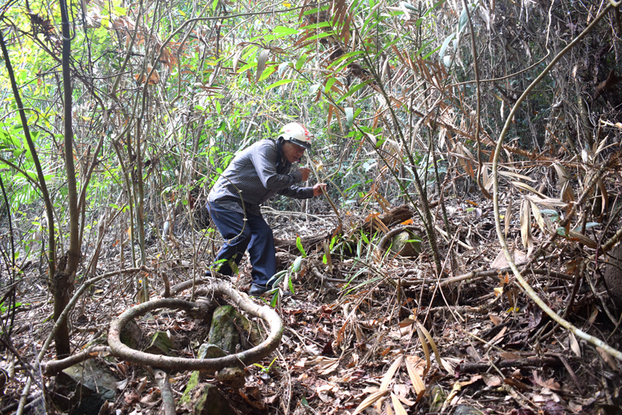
x,y
303,192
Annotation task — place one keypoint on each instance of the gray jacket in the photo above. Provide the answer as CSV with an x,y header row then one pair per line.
x,y
256,174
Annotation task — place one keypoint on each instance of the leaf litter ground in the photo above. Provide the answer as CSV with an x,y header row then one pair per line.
x,y
378,334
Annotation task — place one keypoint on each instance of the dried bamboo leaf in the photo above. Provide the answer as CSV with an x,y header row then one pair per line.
x,y
562,175
604,196
399,408
525,225
426,351
427,334
538,215
567,194
261,62
345,32
548,202
508,217
585,240
486,182
516,176
379,403
386,379
416,380
466,164
370,400
574,344
528,188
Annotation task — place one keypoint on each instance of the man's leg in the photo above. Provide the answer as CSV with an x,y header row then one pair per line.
x,y
237,234
262,251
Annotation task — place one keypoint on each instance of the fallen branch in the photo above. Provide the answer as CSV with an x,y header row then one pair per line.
x,y
537,362
54,366
241,359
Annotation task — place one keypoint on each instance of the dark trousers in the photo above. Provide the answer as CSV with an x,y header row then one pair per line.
x,y
240,234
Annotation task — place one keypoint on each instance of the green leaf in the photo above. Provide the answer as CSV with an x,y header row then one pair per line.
x,y
591,225
247,67
297,265
353,90
345,59
409,6
300,62
279,83
266,73
445,45
275,299
290,284
282,30
329,84
464,18
551,213
300,247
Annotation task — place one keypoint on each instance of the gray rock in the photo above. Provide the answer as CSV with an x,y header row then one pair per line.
x,y
613,275
88,386
229,330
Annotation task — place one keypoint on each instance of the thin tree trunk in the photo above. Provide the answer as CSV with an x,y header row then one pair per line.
x,y
64,278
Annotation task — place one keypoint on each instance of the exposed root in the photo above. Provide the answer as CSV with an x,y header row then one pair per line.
x,y
168,401
241,359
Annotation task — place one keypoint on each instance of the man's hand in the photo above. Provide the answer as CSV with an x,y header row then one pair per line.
x,y
305,173
319,188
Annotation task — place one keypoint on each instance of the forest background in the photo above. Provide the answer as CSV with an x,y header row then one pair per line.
x,y
118,117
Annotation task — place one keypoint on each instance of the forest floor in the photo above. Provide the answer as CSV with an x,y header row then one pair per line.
x,y
354,335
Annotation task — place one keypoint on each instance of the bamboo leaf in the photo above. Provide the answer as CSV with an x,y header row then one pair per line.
x,y
426,351
525,225
604,196
353,90
428,336
508,217
261,63
445,44
282,30
370,400
300,247
386,379
416,380
329,84
539,218
300,62
279,83
399,408
528,188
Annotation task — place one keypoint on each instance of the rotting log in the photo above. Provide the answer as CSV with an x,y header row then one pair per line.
x,y
308,242
388,219
241,359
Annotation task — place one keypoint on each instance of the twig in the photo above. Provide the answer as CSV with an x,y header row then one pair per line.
x,y
518,363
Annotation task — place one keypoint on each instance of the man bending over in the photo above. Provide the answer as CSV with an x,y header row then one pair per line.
x,y
253,176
